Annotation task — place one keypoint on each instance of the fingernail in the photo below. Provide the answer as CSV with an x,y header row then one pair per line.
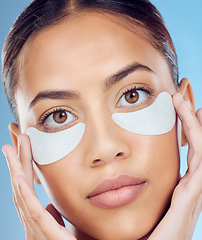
x,y
4,151
19,143
188,105
19,140
180,96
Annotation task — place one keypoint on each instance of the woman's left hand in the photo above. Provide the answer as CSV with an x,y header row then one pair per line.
x,y
186,205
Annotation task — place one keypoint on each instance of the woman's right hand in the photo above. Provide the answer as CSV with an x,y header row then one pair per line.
x,y
38,222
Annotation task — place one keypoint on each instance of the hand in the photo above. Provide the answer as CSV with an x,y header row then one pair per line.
x,y
39,223
186,205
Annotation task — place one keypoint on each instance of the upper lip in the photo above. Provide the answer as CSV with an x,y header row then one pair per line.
x,y
116,183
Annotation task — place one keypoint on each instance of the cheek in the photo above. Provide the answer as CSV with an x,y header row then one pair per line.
x,y
57,178
155,155
158,160
65,183
165,161
62,183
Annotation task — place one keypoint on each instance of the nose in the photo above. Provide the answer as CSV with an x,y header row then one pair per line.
x,y
106,142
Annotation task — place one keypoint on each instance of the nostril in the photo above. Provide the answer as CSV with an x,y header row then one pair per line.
x,y
107,159
120,154
96,161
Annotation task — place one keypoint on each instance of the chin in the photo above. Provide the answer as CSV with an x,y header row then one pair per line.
x,y
118,234
122,229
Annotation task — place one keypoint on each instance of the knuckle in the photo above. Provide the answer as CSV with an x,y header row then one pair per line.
x,y
36,216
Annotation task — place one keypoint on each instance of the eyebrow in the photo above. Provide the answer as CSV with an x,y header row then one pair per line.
x,y
109,82
55,94
125,72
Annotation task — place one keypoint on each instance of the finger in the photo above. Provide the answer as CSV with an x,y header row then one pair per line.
x,y
193,189
51,209
31,229
192,130
19,211
19,204
25,156
15,169
199,115
190,123
24,218
14,164
42,218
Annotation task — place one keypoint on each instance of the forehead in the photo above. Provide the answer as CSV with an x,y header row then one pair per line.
x,y
88,31
86,41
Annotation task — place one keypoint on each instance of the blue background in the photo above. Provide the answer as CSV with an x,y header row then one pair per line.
x,y
184,21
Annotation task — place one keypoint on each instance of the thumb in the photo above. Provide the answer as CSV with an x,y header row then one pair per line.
x,y
53,211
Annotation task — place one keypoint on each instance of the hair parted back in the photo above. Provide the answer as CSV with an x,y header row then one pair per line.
x,y
42,13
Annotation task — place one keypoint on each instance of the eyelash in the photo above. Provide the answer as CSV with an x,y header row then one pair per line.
x,y
47,114
58,109
148,90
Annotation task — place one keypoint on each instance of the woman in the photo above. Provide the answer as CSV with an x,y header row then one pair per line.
x,y
105,63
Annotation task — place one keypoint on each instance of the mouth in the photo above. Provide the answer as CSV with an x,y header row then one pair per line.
x,y
113,193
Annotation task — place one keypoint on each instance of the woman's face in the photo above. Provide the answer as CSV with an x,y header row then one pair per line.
x,y
79,56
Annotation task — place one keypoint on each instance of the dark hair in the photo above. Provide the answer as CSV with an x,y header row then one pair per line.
x,y
42,13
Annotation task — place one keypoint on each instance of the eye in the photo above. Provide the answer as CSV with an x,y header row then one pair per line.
x,y
59,118
133,97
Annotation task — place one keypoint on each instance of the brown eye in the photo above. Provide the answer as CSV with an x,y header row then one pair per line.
x,y
132,96
60,116
57,118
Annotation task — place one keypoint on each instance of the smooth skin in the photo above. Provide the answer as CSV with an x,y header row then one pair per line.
x,y
94,38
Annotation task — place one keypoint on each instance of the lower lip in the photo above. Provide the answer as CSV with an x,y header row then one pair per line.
x,y
117,198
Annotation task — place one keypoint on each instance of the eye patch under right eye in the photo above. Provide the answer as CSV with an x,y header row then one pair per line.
x,y
48,148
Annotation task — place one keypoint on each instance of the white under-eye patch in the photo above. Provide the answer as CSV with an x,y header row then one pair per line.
x,y
156,119
50,147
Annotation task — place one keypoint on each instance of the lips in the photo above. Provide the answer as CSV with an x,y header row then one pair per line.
x,y
112,193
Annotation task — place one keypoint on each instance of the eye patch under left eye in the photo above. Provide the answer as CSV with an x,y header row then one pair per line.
x,y
158,118
48,148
